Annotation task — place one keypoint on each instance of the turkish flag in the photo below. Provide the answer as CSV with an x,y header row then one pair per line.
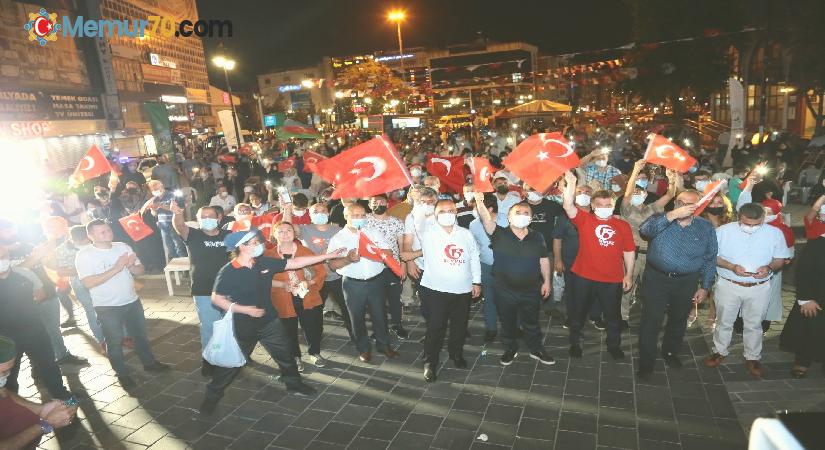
x,y
541,159
367,249
93,165
135,227
482,172
311,160
710,191
665,153
367,169
449,170
264,223
286,164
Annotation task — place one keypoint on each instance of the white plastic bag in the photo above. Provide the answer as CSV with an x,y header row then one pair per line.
x,y
558,286
223,349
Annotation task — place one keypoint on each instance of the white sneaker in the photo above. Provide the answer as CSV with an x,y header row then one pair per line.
x,y
299,363
317,360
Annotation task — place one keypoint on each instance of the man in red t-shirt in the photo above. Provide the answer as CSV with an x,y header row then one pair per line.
x,y
815,219
603,267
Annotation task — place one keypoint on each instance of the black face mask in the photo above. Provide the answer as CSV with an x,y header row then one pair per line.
x,y
502,189
131,190
715,210
380,209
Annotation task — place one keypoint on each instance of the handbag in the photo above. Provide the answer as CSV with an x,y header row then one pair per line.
x,y
223,349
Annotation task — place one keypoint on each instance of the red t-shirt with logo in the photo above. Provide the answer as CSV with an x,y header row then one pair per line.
x,y
813,228
602,244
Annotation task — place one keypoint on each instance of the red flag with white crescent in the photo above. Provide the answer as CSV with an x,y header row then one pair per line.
x,y
542,159
135,227
92,165
482,174
311,160
710,191
286,164
368,169
368,249
661,151
449,170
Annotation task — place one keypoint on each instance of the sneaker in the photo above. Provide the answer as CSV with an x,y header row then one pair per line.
x,y
317,360
301,390
208,406
72,359
566,324
508,357
157,367
599,324
575,351
299,363
672,360
616,353
68,323
400,332
543,358
127,382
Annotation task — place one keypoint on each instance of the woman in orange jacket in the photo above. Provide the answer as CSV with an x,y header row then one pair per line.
x,y
295,294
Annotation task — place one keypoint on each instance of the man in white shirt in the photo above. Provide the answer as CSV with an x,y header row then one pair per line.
x,y
749,254
223,199
364,283
105,268
452,274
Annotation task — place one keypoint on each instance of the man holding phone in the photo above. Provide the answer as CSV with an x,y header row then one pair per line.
x,y
161,206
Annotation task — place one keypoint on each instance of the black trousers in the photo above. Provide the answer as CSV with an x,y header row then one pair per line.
x,y
361,295
393,297
445,307
312,322
334,288
38,348
662,295
275,339
513,305
585,292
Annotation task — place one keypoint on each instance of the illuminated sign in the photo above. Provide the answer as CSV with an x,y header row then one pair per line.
x,y
154,59
178,119
289,87
270,120
393,57
173,99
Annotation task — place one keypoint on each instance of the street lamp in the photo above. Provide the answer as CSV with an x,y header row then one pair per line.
x,y
227,65
398,16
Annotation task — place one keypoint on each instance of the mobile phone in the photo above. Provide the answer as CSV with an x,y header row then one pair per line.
x,y
283,193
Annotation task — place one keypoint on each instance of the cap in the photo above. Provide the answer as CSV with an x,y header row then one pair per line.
x,y
8,351
233,240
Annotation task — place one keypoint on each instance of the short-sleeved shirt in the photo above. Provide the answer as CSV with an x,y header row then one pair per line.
x,y
635,215
250,287
602,244
207,254
813,228
19,315
391,228
544,218
592,173
517,261
485,253
569,236
365,268
504,208
116,291
749,250
318,242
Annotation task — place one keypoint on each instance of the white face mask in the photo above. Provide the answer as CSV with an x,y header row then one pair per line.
x,y
615,187
603,213
520,221
299,212
3,380
157,193
822,210
533,197
5,265
415,172
749,229
446,219
582,200
469,196
637,199
601,163
770,218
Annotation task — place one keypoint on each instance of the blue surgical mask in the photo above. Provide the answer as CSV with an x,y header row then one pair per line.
x,y
319,218
642,183
208,223
259,250
701,185
637,199
359,223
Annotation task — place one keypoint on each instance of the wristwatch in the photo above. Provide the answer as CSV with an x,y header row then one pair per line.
x,y
45,427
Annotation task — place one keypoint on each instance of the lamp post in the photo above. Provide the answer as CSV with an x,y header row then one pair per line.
x,y
259,98
398,16
227,65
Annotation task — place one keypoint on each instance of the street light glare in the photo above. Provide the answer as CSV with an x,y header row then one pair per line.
x,y
396,15
224,63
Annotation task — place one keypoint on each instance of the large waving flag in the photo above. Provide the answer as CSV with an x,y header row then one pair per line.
x,y
449,170
661,151
93,165
482,174
368,169
295,129
311,160
542,159
135,227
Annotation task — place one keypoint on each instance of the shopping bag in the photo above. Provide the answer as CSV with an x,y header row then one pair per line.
x,y
223,349
558,286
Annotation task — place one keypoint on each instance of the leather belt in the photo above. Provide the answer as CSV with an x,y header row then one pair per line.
x,y
364,281
739,283
670,274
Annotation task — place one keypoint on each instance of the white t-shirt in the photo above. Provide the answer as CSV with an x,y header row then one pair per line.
x,y
451,260
365,268
116,291
409,229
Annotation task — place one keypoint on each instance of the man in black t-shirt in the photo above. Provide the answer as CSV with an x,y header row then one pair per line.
x,y
545,214
207,254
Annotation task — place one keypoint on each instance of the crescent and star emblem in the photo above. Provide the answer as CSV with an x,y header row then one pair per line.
x,y
446,163
379,166
90,163
565,145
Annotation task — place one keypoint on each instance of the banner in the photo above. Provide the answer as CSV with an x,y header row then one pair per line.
x,y
159,120
24,105
229,133
737,118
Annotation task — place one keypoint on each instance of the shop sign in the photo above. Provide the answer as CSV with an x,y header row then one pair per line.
x,y
20,105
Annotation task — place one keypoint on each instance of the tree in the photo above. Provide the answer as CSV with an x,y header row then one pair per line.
x,y
668,65
375,81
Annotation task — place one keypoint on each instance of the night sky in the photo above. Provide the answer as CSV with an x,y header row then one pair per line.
x,y
284,34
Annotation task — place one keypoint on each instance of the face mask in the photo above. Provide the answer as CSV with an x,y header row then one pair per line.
x,y
380,209
603,213
770,218
502,189
415,172
601,163
259,250
131,190
319,218
642,183
701,185
359,223
533,197
716,210
299,212
749,229
582,200
5,265
3,380
208,223
469,196
157,193
637,199
224,194
446,219
822,210
615,187
520,221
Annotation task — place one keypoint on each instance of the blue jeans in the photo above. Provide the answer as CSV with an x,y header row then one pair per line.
x,y
173,246
50,316
113,319
489,293
207,314
85,298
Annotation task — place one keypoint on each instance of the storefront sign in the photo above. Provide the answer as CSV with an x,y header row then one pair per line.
x,y
197,96
156,73
49,129
41,105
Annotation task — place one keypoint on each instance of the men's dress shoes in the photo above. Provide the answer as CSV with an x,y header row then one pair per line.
x,y
429,373
391,353
714,360
365,357
754,368
672,360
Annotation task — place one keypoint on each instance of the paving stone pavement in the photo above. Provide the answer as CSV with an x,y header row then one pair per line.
x,y
590,403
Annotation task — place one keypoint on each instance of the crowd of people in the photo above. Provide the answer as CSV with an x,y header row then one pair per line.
x,y
265,240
